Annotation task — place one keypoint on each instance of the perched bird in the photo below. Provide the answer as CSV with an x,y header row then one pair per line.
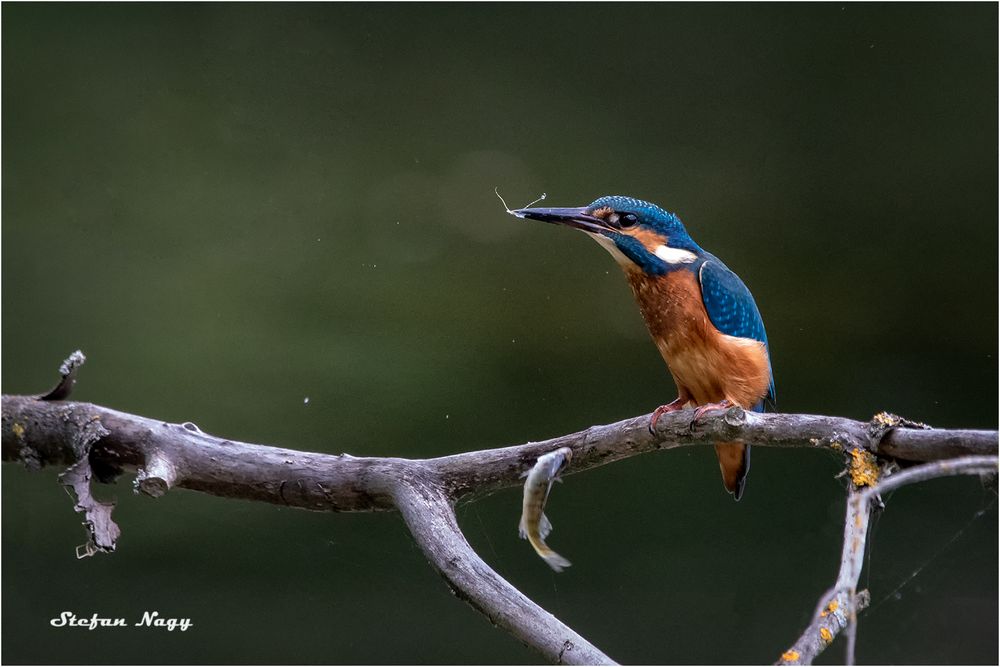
x,y
701,316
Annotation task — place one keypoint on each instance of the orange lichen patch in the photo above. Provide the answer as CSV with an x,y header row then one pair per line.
x,y
830,608
18,430
863,468
886,419
789,656
826,635
836,446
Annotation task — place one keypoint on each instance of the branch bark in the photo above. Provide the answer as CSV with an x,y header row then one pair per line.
x,y
108,442
839,606
430,516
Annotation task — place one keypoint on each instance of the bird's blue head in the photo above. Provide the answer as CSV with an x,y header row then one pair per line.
x,y
639,235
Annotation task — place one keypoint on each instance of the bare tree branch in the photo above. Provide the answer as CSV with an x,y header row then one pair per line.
x,y
839,606
430,517
102,443
47,433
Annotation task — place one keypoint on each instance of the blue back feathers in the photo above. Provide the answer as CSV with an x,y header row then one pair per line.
x,y
731,308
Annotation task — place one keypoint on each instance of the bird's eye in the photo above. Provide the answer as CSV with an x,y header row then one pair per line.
x,y
627,219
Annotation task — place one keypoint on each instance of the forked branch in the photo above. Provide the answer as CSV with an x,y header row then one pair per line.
x,y
101,443
839,606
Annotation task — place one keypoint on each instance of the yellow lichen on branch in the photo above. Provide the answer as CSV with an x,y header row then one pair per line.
x,y
863,468
886,419
789,656
826,635
830,608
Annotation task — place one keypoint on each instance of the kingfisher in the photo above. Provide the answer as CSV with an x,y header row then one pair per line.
x,y
702,318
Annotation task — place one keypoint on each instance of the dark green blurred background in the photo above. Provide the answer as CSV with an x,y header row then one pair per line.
x,y
232,208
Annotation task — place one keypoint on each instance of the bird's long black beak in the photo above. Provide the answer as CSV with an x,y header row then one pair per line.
x,y
571,217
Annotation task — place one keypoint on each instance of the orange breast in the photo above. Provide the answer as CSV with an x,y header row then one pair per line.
x,y
707,365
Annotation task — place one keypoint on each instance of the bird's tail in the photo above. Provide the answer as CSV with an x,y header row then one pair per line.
x,y
734,462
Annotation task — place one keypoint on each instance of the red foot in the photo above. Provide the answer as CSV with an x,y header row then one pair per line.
x,y
675,405
721,405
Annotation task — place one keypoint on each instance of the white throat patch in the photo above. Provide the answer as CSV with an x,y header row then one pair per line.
x,y
666,253
610,246
674,255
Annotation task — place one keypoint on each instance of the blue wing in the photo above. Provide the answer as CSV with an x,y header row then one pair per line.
x,y
732,310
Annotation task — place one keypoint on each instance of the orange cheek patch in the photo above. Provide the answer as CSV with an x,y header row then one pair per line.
x,y
650,239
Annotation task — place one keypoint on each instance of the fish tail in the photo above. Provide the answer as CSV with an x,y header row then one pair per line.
x,y
555,561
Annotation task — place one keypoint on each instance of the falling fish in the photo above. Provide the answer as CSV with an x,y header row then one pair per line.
x,y
535,526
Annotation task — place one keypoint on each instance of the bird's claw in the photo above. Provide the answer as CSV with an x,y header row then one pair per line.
x,y
702,409
675,405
